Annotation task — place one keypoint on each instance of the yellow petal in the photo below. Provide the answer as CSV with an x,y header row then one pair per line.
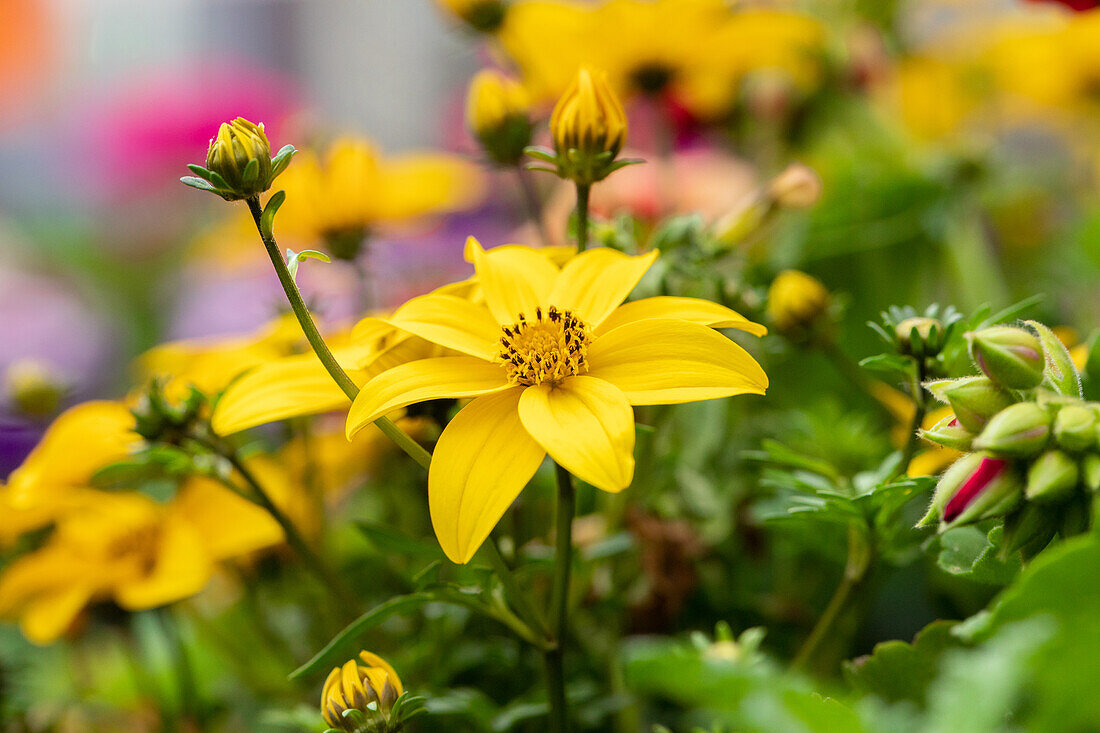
x,y
373,660
404,349
514,279
49,616
586,425
662,362
277,390
595,282
482,461
424,379
229,524
695,310
181,568
452,322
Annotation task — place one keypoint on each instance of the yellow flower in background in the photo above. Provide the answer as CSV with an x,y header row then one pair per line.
x,y
931,96
481,15
130,549
210,364
82,440
367,684
554,363
697,51
498,115
796,301
353,189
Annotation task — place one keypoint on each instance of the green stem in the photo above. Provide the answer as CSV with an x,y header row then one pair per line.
x,y
559,601
511,588
187,691
583,190
920,409
534,204
855,571
294,538
320,348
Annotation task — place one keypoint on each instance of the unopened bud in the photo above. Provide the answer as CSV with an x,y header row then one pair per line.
x,y
1019,430
796,187
975,487
973,399
796,301
919,336
1052,477
241,155
484,16
949,433
362,691
1010,356
497,113
33,387
1090,472
1031,528
1075,428
588,127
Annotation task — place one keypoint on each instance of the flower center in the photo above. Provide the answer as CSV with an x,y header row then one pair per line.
x,y
549,348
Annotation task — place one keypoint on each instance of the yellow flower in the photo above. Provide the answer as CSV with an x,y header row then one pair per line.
x,y
497,113
354,190
367,684
128,548
33,387
78,443
796,300
554,363
589,117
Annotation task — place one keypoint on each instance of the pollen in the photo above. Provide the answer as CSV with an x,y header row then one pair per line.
x,y
548,348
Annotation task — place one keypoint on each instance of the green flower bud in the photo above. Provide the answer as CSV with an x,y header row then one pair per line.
x,y
1090,472
949,433
33,387
975,487
1021,430
1052,477
1031,528
919,336
1075,428
1010,356
231,155
973,399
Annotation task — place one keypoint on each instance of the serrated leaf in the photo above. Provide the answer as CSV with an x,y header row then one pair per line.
x,y
896,670
971,553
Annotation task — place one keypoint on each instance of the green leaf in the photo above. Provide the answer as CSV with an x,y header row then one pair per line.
x,y
267,219
897,671
970,552
891,364
1091,373
251,172
198,183
293,259
390,541
281,160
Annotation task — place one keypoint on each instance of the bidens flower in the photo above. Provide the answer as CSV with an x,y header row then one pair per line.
x,y
360,695
239,163
588,126
554,363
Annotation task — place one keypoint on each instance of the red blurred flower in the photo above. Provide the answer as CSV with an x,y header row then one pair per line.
x,y
1075,5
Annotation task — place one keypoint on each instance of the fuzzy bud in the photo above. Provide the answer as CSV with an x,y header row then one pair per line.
x,y
1010,356
949,433
974,400
975,487
1075,428
1052,477
1021,430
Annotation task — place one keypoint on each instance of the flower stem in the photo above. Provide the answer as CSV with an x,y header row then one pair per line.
x,y
559,601
511,589
320,348
534,205
855,570
920,407
294,538
583,190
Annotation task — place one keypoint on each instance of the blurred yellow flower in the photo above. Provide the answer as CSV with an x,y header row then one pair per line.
x,y
554,363
78,443
130,549
695,51
931,96
498,115
796,301
353,189
367,684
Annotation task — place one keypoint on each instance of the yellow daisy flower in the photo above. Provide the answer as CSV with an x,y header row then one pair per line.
x,y
554,364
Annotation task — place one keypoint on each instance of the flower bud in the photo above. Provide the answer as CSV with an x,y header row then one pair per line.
x,y
362,691
33,387
484,16
796,187
1019,430
949,433
588,127
973,399
497,115
241,155
1010,356
1075,428
1031,528
1052,477
919,336
796,301
1090,472
977,486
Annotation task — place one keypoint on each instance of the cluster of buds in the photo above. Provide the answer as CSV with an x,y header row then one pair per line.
x,y
1033,443
239,163
588,126
498,115
365,696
